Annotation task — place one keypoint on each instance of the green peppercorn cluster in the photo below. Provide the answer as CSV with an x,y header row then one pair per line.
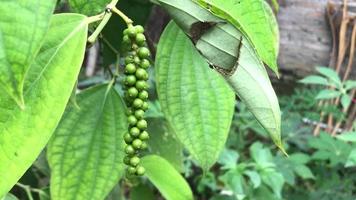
x,y
136,95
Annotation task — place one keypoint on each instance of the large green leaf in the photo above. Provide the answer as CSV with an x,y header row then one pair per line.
x,y
221,45
168,181
196,101
48,86
86,151
88,7
255,19
23,25
163,142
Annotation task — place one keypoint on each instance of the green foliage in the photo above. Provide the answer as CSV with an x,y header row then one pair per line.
x,y
88,7
198,103
168,181
263,34
76,149
331,79
18,49
48,86
228,50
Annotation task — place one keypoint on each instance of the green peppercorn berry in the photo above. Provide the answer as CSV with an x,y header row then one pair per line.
x,y
128,139
127,160
126,31
134,131
136,60
131,120
140,39
131,170
144,135
145,63
139,114
129,59
144,106
130,68
144,145
134,161
139,29
141,74
141,85
143,95
143,52
137,143
130,80
137,103
131,32
142,124
129,149
133,92
140,170
126,40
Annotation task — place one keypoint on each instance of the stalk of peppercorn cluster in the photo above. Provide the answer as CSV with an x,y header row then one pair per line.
x,y
136,95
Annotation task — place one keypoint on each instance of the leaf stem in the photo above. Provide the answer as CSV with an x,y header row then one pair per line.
x,y
127,20
27,190
104,17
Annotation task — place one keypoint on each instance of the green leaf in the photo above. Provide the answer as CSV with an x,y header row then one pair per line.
x,y
345,101
350,84
299,158
304,172
9,196
255,19
23,25
330,74
351,159
274,180
89,154
48,86
88,7
197,102
168,181
164,143
254,178
234,180
228,158
347,137
315,80
141,192
221,46
328,94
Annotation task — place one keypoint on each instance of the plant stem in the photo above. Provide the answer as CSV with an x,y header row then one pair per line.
x,y
27,190
127,20
104,17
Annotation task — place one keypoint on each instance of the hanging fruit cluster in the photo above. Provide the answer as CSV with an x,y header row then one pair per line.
x,y
136,95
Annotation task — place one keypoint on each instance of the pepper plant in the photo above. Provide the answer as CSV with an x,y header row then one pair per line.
x,y
211,52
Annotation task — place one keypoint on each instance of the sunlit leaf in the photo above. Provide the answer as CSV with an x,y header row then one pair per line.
x,y
48,86
23,25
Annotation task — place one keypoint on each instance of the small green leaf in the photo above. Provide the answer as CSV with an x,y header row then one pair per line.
x,y
274,180
23,25
234,180
351,160
196,100
48,86
89,154
345,101
315,80
330,74
347,137
328,94
350,84
255,19
168,181
304,172
254,178
228,158
299,158
88,7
